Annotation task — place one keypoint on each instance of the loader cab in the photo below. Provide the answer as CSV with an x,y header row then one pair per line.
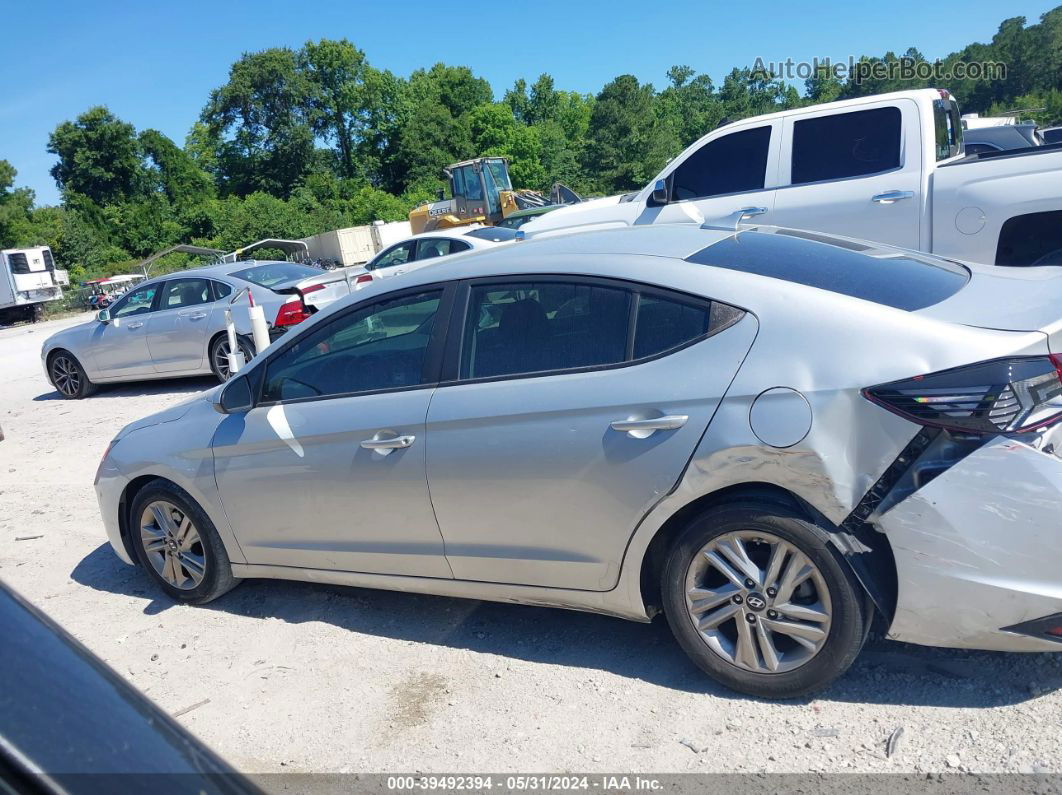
x,y
476,186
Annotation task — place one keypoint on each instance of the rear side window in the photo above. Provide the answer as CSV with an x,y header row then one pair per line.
x,y
731,164
544,326
439,247
664,324
537,326
846,145
900,279
221,290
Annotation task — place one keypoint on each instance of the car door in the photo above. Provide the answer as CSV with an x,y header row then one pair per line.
x,y
177,329
328,470
727,180
856,173
571,408
390,262
119,347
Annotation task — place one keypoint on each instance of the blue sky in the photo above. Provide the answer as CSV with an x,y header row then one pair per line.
x,y
154,64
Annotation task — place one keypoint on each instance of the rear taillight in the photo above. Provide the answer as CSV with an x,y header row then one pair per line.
x,y
364,279
291,313
313,288
999,396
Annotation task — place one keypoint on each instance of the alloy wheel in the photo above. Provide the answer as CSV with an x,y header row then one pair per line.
x,y
65,375
173,545
221,360
758,602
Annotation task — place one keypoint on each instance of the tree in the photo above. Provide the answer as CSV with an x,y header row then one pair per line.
x,y
626,143
690,105
260,121
495,131
99,157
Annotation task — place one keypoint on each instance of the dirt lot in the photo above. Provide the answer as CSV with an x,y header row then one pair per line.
x,y
292,677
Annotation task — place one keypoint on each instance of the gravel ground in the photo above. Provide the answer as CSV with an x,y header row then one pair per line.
x,y
294,677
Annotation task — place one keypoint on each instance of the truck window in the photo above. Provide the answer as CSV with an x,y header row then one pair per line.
x,y
948,129
846,145
732,164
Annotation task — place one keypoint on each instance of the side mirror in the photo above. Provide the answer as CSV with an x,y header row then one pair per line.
x,y
235,397
660,192
104,316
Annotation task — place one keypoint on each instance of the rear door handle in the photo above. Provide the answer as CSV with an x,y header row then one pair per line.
x,y
892,196
194,315
385,446
640,429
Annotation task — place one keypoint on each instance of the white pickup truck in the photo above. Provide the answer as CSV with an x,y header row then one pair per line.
x,y
889,168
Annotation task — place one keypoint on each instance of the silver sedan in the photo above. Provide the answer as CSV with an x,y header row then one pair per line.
x,y
174,325
770,436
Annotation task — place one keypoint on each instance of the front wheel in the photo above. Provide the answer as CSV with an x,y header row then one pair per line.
x,y
68,376
760,601
219,355
178,545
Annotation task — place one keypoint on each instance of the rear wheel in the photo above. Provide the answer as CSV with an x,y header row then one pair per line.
x,y
178,545
219,355
760,601
68,376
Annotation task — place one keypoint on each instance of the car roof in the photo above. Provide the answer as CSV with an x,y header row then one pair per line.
x,y
223,268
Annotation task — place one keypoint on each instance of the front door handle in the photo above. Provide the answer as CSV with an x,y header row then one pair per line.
x,y
134,325
640,429
385,446
892,196
748,212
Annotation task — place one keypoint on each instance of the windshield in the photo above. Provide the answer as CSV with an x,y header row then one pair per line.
x,y
271,274
500,173
887,276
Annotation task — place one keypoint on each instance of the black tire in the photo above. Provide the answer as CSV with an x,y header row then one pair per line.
x,y
68,376
849,608
221,342
217,575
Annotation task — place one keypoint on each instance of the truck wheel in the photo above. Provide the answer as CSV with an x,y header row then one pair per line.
x,y
761,602
36,313
68,376
219,355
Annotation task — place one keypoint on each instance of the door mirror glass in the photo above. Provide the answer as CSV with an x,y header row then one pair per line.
x,y
103,316
235,397
660,192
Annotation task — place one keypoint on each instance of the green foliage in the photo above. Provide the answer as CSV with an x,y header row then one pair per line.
x,y
299,141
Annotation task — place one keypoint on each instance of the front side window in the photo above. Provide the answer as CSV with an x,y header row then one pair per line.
x,y
136,302
180,293
536,326
732,164
382,346
467,184
397,255
846,145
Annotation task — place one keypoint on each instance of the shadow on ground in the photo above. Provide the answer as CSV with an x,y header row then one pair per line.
x,y
885,673
168,386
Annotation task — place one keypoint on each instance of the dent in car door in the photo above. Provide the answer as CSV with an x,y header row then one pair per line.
x,y
531,481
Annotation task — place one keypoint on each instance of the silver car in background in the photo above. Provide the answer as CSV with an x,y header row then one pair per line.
x,y
768,435
174,325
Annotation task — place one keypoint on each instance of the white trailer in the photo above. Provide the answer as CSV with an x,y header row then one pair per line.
x,y
356,245
28,280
